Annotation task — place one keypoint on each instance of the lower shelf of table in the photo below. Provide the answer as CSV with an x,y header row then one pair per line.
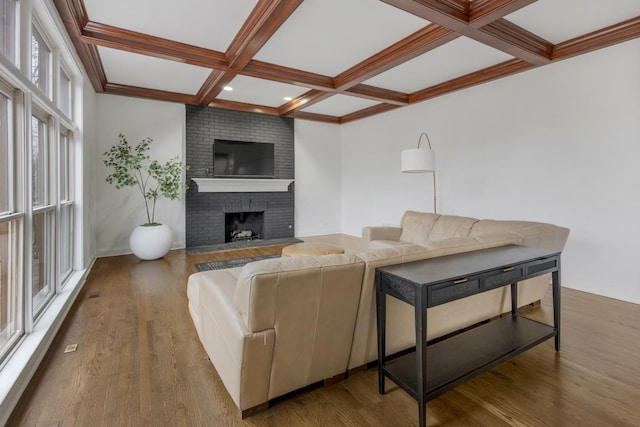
x,y
458,359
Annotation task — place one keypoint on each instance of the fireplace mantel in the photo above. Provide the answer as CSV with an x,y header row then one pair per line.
x,y
241,185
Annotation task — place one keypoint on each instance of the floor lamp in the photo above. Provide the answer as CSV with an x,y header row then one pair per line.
x,y
420,160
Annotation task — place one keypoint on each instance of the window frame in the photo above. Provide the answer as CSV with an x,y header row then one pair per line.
x,y
40,36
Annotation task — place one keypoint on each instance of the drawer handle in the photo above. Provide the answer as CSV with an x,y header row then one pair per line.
x,y
457,282
506,270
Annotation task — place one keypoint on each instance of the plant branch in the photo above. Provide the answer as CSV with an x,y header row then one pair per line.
x,y
129,168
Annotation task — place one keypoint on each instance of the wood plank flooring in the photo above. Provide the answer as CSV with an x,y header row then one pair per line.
x,y
139,363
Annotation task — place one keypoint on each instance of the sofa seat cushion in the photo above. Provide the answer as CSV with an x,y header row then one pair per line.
x,y
378,244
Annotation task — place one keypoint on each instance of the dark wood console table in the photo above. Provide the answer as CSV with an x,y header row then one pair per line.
x,y
432,370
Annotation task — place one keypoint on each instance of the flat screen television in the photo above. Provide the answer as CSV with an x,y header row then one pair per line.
x,y
242,159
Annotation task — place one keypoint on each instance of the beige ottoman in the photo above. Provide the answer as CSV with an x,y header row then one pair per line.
x,y
306,249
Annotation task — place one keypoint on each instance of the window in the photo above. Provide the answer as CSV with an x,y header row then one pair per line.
x,y
65,231
38,161
38,210
10,283
64,168
8,28
40,62
64,93
42,226
10,232
5,153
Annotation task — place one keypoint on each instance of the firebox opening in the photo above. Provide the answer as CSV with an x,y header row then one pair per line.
x,y
243,226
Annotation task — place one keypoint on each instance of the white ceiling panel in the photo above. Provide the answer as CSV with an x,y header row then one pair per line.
x,y
454,59
340,105
145,71
330,36
260,92
561,20
211,24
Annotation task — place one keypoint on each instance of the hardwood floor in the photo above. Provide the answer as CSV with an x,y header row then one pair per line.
x,y
139,363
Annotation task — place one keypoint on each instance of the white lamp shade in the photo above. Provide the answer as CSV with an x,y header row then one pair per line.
x,y
417,160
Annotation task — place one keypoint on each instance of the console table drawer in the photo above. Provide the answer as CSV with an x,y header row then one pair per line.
x,y
542,266
451,291
506,276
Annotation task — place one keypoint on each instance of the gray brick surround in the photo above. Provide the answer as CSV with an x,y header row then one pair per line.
x,y
205,212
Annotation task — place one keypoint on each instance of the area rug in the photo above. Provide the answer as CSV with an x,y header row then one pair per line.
x,y
230,263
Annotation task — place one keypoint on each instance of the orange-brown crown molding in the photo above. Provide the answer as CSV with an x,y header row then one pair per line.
x,y
480,20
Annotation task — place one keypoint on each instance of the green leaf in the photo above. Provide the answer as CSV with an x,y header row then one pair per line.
x,y
131,166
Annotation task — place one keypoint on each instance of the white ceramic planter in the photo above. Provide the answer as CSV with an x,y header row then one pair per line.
x,y
150,241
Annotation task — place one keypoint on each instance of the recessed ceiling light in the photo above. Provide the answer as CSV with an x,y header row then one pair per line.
x,y
228,88
303,101
288,98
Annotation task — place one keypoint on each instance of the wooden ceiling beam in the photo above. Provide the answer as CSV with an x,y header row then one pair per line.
x,y
118,38
314,117
264,21
483,12
378,94
472,79
242,106
140,92
74,17
508,38
516,41
212,87
367,112
617,33
422,41
304,101
277,73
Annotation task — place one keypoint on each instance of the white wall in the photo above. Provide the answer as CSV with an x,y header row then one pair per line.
x,y
317,178
118,212
558,144
85,188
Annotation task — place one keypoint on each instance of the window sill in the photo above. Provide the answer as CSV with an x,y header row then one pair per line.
x,y
23,362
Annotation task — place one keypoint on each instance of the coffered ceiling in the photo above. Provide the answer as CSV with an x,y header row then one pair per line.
x,y
329,60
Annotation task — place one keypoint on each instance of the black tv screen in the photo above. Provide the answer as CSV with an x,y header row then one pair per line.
x,y
241,159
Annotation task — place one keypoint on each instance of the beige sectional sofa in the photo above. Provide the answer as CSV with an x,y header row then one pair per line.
x,y
274,326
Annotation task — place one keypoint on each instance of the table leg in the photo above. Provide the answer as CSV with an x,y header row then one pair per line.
x,y
514,299
555,278
381,312
421,359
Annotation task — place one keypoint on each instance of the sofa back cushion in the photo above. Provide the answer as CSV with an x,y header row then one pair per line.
x,y
311,303
451,226
264,285
536,234
416,226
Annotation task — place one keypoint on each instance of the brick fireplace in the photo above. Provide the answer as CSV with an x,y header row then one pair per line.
x,y
208,213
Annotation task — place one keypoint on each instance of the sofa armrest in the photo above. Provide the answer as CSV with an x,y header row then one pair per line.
x,y
546,236
381,233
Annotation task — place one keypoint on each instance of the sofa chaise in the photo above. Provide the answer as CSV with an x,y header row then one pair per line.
x,y
277,325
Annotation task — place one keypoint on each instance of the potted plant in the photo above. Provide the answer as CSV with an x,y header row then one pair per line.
x,y
132,167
